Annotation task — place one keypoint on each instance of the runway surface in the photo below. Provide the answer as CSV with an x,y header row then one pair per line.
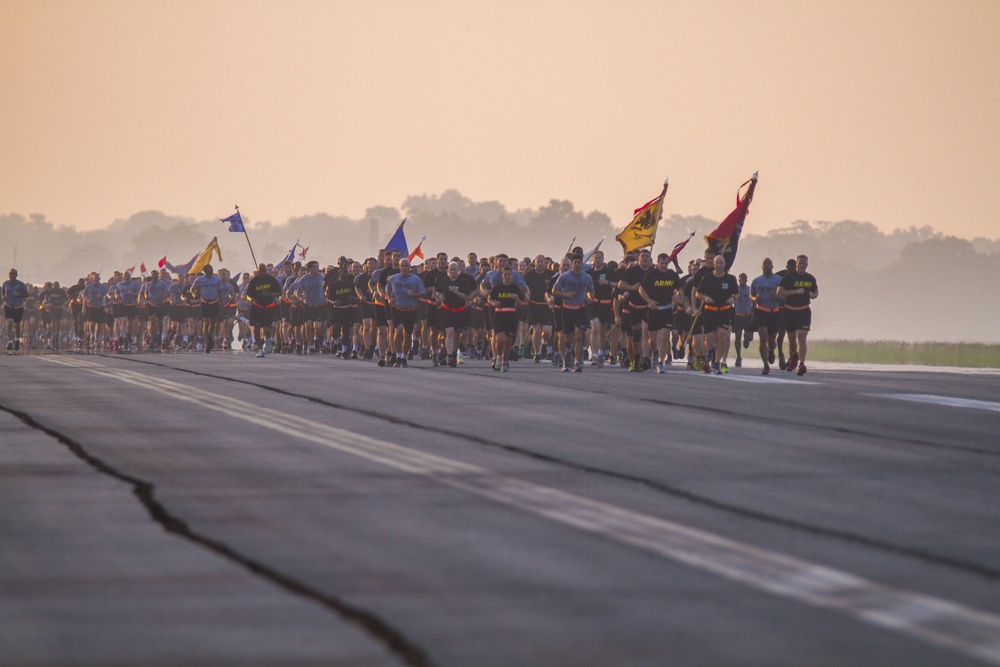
x,y
221,509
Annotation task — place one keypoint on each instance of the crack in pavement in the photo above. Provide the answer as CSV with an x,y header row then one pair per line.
x,y
392,639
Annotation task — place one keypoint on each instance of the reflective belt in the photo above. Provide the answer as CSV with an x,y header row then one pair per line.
x,y
708,307
505,310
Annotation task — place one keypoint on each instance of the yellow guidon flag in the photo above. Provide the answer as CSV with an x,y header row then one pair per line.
x,y
641,232
206,256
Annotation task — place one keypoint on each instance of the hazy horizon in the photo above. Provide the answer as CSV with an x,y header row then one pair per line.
x,y
861,270
879,112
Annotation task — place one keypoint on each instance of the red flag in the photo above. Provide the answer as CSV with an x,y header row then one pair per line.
x,y
417,252
677,249
162,262
726,237
130,269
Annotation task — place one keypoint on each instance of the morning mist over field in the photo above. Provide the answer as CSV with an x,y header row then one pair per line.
x,y
914,284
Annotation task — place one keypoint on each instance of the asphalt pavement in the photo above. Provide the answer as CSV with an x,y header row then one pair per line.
x,y
165,509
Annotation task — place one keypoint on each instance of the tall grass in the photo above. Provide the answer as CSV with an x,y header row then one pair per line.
x,y
970,355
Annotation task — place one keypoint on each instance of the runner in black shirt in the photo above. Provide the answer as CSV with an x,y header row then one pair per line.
x,y
263,291
339,289
798,288
539,313
453,292
658,289
637,324
717,292
789,266
362,287
504,297
76,307
602,312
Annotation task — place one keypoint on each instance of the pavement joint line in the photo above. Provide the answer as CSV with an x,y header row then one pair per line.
x,y
947,401
933,620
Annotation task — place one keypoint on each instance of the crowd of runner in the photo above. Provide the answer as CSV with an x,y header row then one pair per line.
x,y
638,313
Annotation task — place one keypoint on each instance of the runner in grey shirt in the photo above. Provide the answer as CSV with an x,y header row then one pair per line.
x,y
155,293
13,293
403,291
576,289
206,287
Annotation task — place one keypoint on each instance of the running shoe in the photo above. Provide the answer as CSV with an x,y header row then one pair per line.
x,y
381,361
565,368
659,368
782,364
398,363
497,364
452,362
260,355
739,363
724,366
717,369
706,368
690,365
767,370
10,345
793,362
538,358
770,356
506,367
634,368
746,341
802,369
402,362
578,368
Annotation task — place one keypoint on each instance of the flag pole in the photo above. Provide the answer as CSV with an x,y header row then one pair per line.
x,y
570,248
666,184
252,256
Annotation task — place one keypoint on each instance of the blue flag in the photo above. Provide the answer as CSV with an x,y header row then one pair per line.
x,y
290,257
235,222
398,240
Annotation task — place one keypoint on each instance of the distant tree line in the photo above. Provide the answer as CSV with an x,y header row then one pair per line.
x,y
912,284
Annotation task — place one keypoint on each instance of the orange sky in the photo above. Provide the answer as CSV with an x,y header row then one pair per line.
x,y
887,112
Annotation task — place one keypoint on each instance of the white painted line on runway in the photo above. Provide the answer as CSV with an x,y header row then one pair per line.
x,y
933,620
764,379
948,401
